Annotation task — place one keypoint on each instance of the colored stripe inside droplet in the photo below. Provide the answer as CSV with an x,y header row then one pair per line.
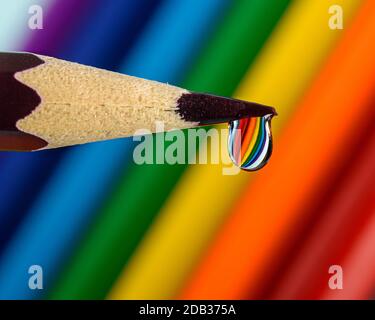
x,y
250,142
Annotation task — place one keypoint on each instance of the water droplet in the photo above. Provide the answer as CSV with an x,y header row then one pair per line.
x,y
250,142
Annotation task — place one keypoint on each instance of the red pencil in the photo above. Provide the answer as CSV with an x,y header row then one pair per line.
x,y
359,266
333,235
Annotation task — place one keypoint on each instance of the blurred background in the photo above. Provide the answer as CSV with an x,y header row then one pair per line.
x,y
96,225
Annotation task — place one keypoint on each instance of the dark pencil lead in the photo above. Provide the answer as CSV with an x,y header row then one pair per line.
x,y
209,109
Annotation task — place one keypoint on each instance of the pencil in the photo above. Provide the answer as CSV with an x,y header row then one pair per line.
x,y
49,103
336,231
359,264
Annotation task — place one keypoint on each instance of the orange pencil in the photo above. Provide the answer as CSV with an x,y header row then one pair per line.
x,y
266,216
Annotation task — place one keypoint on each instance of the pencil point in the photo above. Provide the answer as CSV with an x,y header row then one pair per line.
x,y
210,109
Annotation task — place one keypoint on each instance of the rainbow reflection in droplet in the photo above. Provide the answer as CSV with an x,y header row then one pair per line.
x,y
250,142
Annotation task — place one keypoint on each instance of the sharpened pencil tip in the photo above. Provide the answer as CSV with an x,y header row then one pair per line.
x,y
209,109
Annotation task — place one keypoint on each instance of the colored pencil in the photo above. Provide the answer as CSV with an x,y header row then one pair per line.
x,y
96,104
337,228
259,229
358,267
158,39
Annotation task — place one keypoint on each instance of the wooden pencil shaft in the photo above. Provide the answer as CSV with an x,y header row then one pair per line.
x,y
48,103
